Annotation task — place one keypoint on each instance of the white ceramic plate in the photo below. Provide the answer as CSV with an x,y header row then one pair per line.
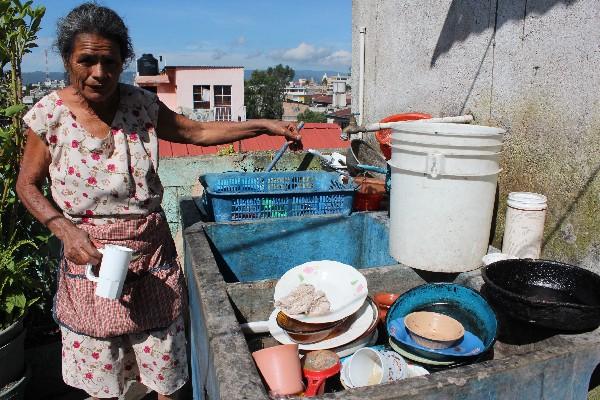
x,y
358,327
367,339
416,358
345,288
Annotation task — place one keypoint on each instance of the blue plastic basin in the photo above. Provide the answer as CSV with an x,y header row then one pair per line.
x,y
459,302
266,249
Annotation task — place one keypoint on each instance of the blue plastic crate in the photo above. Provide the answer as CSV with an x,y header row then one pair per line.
x,y
238,196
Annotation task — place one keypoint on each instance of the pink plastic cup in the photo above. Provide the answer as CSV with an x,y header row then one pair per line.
x,y
280,368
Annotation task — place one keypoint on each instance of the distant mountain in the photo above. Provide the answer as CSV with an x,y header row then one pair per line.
x,y
303,74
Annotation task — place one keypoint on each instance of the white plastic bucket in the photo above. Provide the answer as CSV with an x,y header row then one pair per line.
x,y
524,227
442,198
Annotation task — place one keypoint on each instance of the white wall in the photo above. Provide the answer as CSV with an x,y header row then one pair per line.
x,y
185,79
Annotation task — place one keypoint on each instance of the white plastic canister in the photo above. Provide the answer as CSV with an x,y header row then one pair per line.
x,y
443,189
524,227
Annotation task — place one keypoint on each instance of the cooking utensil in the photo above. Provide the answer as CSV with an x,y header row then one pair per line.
x,y
282,150
318,366
546,293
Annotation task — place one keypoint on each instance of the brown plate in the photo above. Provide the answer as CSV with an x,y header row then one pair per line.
x,y
290,324
313,337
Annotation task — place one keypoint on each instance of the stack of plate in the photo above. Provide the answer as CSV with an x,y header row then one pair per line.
x,y
459,302
349,325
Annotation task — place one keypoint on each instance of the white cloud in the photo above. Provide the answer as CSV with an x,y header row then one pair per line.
x,y
303,52
338,58
311,55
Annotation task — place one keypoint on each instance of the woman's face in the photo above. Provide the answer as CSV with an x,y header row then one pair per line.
x,y
95,66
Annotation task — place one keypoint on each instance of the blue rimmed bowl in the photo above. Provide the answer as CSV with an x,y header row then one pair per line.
x,y
459,302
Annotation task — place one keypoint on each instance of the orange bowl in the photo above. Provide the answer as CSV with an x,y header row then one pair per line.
x,y
385,299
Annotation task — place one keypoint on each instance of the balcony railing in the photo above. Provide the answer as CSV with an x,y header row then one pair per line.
x,y
222,113
214,114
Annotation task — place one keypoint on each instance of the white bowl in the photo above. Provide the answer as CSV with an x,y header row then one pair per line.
x,y
345,288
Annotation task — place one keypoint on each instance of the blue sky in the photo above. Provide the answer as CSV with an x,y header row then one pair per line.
x,y
306,34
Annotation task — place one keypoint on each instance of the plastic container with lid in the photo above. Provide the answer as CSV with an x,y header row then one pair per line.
x,y
524,227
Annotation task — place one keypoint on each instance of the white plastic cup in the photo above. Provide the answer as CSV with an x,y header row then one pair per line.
x,y
524,227
371,367
113,270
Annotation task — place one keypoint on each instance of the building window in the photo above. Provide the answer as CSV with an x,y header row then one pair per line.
x,y
222,96
201,97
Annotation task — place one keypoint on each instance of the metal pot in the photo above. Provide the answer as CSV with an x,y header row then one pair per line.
x,y
361,152
546,293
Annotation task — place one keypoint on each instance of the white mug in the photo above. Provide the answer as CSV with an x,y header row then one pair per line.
x,y
113,270
371,367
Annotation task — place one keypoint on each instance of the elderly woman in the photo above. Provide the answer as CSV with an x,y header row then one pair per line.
x,y
98,141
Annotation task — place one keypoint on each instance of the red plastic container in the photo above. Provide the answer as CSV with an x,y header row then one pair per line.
x,y
369,194
383,136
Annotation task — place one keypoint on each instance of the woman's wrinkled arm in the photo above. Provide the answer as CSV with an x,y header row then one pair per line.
x,y
179,129
34,170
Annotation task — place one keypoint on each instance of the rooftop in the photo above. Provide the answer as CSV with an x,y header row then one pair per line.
x,y
314,136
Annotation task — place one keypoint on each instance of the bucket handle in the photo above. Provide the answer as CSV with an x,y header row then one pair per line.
x,y
454,153
435,168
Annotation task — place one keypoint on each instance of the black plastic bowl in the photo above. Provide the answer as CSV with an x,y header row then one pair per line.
x,y
546,293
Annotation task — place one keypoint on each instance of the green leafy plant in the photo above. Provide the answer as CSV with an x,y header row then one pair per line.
x,y
24,274
16,285
311,116
264,92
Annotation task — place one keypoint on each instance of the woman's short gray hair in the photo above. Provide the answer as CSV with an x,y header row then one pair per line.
x,y
92,18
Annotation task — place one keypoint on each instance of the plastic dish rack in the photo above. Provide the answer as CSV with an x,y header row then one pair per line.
x,y
237,196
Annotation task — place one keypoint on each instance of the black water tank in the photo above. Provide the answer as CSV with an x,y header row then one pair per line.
x,y
147,65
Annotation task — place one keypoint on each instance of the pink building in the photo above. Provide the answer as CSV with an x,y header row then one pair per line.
x,y
200,92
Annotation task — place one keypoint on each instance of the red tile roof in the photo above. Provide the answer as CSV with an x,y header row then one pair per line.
x,y
343,113
322,98
314,136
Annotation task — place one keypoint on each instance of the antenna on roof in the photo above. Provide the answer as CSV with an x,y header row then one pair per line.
x,y
47,73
